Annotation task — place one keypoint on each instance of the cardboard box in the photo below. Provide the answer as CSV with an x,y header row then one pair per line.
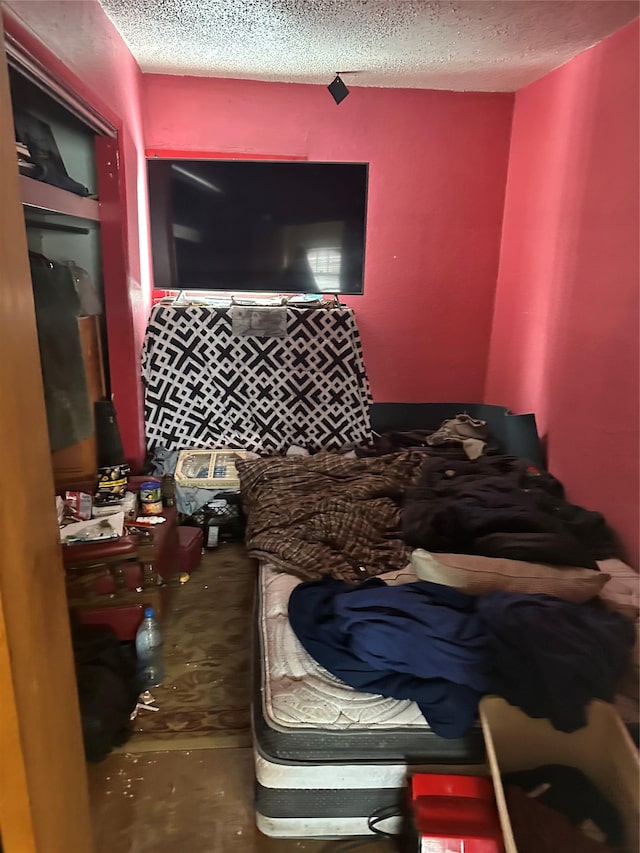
x,y
602,750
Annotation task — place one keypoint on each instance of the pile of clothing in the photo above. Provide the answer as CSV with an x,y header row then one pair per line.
x,y
502,506
444,649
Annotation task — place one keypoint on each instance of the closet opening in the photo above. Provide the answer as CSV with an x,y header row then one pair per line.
x,y
57,139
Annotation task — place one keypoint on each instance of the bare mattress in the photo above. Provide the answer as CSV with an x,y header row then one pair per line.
x,y
326,755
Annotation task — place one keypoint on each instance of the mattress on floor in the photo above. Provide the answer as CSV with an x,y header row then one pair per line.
x,y
328,756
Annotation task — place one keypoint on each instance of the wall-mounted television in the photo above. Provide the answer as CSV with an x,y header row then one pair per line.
x,y
266,226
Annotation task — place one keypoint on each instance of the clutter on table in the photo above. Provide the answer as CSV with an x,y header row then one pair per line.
x,y
84,517
151,497
113,479
93,530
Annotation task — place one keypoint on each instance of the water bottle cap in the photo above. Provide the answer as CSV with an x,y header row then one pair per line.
x,y
149,613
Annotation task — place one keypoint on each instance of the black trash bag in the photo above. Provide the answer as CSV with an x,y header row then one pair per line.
x,y
107,689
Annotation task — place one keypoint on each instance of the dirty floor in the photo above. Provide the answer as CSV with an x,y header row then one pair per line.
x,y
191,801
184,782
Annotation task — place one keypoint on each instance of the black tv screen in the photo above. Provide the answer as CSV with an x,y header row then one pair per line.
x,y
258,226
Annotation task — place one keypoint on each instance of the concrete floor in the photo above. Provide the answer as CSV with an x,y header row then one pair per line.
x,y
188,801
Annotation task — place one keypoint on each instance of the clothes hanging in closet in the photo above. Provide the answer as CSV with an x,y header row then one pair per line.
x,y
69,411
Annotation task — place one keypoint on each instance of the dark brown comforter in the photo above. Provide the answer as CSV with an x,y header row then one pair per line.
x,y
327,514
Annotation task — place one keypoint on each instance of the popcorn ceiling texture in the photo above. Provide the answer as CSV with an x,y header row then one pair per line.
x,y
471,45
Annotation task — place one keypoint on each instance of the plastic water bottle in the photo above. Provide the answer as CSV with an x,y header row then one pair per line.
x,y
149,651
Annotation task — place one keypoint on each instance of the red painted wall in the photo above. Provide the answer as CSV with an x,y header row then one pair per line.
x,y
76,40
438,163
565,334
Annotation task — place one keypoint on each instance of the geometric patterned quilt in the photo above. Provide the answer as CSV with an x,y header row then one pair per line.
x,y
206,386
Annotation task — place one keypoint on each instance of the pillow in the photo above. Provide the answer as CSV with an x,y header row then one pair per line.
x,y
475,575
623,595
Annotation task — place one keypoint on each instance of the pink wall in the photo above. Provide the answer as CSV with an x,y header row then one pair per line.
x,y
437,174
76,40
564,337
565,333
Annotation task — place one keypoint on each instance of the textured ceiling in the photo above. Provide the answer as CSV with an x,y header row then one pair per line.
x,y
468,45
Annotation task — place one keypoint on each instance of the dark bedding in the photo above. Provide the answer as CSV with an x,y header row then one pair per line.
x,y
327,514
353,518
418,641
333,517
502,506
444,649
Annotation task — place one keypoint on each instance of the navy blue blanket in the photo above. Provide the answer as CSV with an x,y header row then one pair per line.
x,y
444,649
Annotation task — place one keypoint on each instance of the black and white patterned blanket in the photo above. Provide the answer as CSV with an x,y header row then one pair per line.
x,y
206,386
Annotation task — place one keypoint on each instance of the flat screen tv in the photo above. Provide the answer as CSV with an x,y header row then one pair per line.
x,y
266,226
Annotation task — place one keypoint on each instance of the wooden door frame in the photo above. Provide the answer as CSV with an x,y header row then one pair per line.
x,y
44,801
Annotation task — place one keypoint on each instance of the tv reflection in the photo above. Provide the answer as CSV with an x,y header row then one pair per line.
x,y
312,270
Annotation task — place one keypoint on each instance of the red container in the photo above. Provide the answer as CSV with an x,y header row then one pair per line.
x,y
190,541
455,814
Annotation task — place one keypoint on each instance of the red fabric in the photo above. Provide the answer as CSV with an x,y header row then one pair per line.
x,y
123,621
539,829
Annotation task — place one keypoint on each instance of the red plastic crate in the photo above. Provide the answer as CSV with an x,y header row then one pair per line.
x,y
455,814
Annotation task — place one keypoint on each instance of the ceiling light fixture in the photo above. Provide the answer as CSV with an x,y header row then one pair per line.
x,y
337,88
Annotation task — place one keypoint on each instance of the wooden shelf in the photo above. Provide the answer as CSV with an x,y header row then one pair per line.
x,y
37,194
